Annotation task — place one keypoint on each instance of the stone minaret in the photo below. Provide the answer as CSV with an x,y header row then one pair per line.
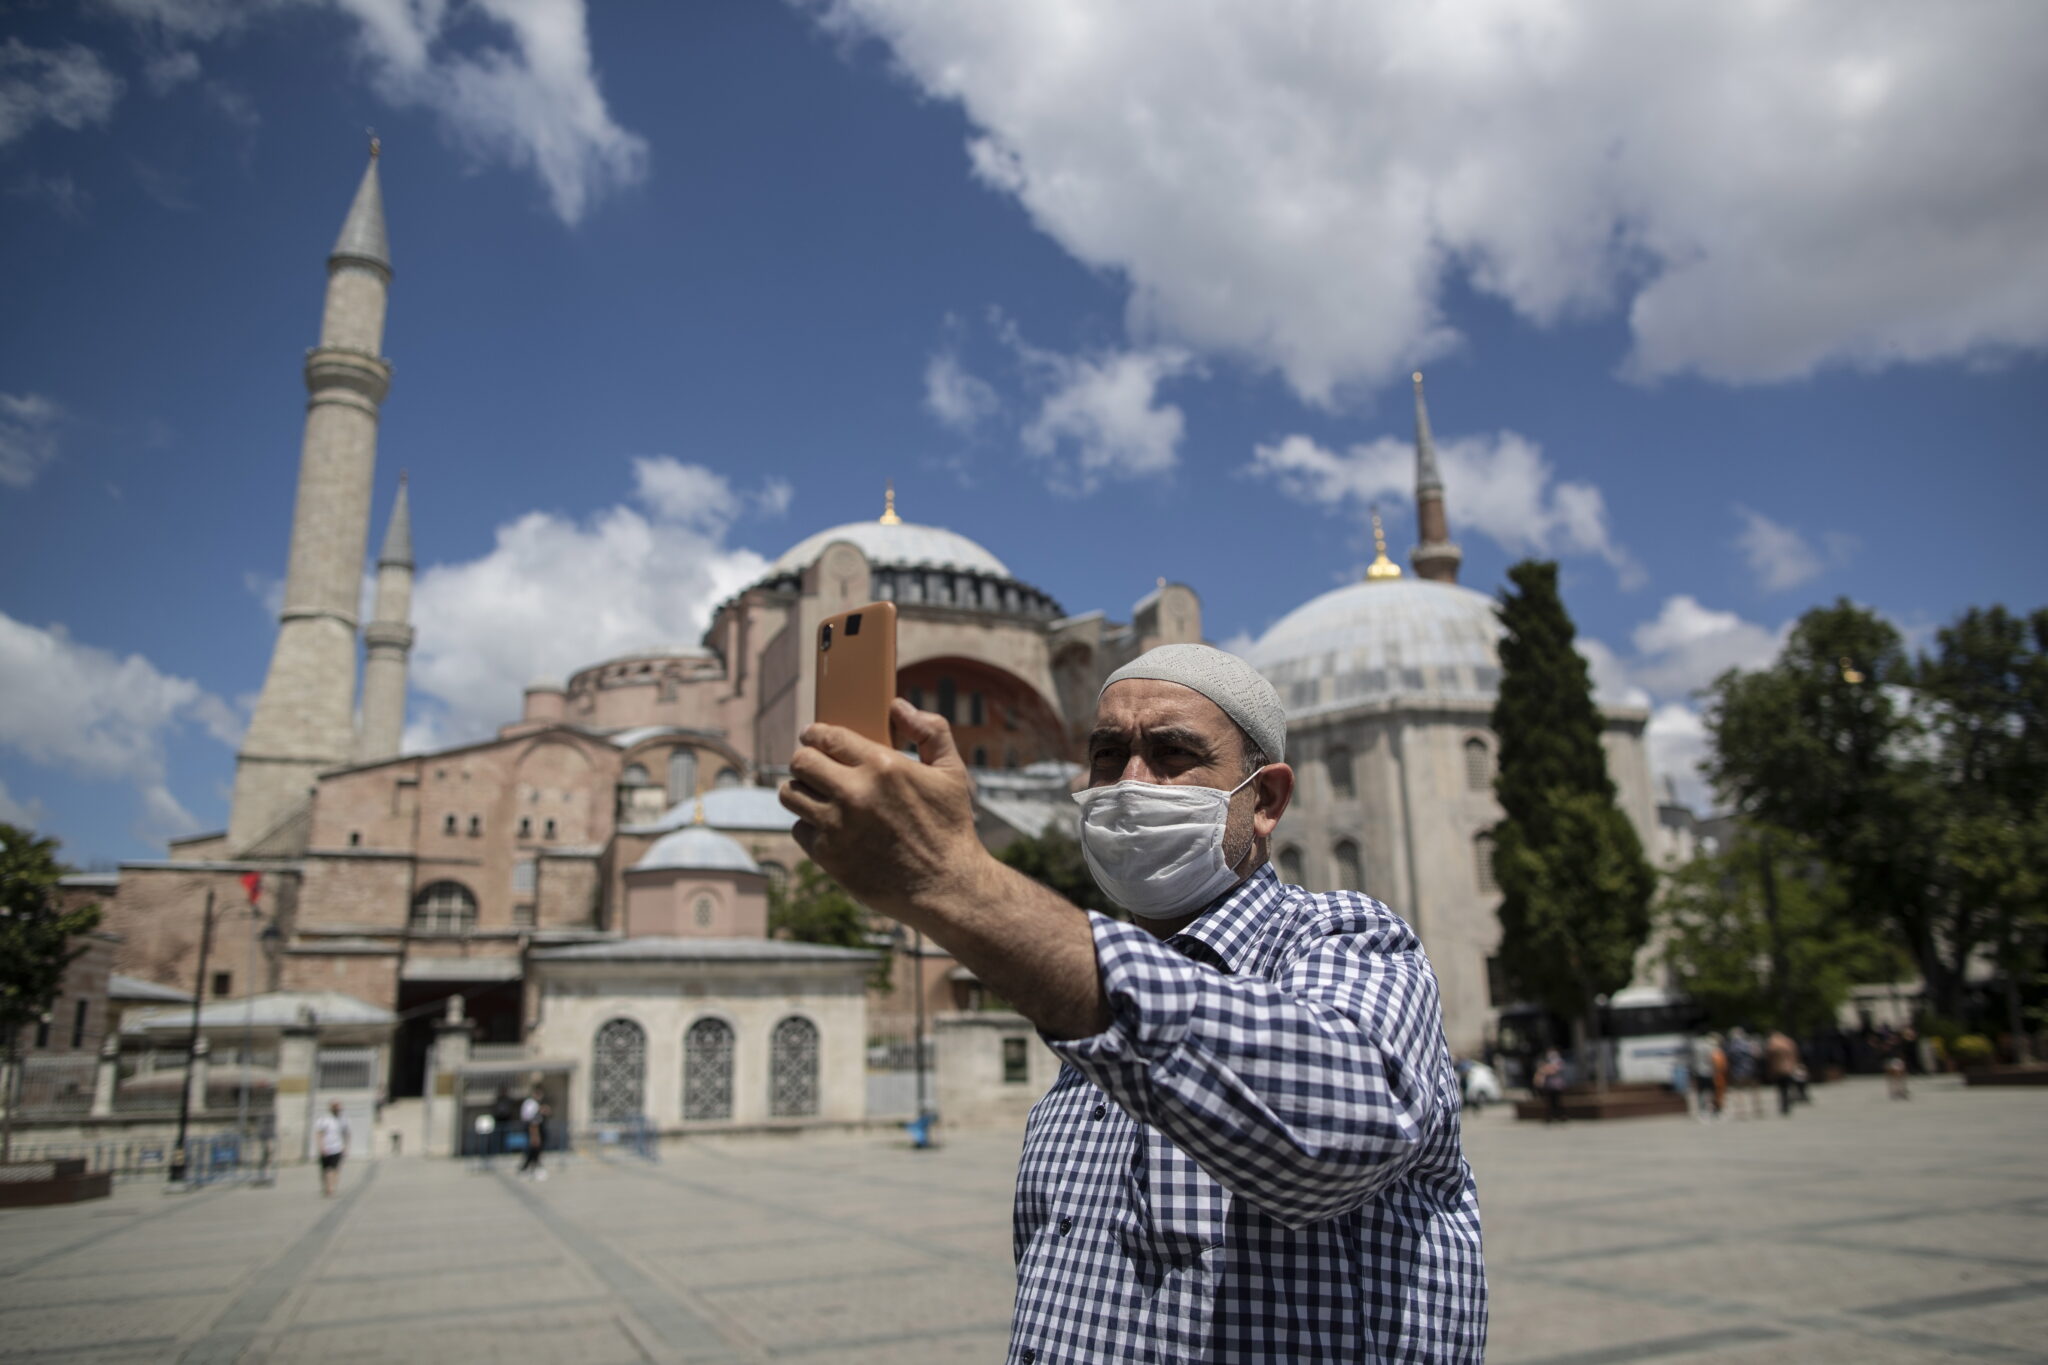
x,y
1436,558
388,640
305,716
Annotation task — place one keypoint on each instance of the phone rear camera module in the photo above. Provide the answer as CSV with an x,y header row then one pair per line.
x,y
825,639
853,624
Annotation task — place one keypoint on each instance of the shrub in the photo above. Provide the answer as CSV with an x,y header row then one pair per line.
x,y
1971,1051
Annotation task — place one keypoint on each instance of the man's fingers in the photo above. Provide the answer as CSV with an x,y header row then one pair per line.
x,y
817,771
928,730
840,744
803,801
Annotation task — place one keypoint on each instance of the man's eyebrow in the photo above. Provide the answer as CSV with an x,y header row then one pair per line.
x,y
1176,734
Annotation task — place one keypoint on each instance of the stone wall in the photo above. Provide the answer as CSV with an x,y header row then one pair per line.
x,y
978,1059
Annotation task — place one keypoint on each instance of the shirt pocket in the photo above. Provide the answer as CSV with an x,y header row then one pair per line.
x,y
1182,1212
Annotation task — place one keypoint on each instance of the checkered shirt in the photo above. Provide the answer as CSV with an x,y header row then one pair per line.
x,y
1259,1159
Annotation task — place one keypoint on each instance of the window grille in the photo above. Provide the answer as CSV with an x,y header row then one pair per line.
x,y
1478,765
793,1069
707,1070
1482,858
703,912
618,1071
1339,765
444,908
1016,1061
346,1068
682,775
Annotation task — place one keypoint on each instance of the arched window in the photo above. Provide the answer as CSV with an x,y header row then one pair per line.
x,y
682,774
635,775
618,1072
1338,762
707,1070
476,825
1290,865
1350,865
948,698
1482,861
793,1069
727,777
702,911
443,908
1478,765
448,823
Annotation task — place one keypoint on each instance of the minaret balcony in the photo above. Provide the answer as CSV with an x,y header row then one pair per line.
x,y
388,634
338,367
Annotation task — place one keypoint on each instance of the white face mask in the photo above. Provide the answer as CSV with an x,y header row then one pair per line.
x,y
1157,850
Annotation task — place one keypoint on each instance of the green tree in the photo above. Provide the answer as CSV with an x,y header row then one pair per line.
x,y
812,908
37,942
1575,887
1054,860
1756,934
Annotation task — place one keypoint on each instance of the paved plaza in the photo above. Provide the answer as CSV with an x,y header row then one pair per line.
x,y
1860,1230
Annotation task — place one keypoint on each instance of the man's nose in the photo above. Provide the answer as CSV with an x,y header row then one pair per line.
x,y
1136,771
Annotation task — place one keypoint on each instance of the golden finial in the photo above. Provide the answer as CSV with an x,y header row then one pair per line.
x,y
889,517
1417,377
700,812
376,144
1849,673
1381,567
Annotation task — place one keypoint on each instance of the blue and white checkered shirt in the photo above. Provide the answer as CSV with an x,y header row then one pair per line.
x,y
1259,1159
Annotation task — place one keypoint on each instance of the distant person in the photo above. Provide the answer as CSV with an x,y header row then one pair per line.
x,y
533,1117
504,1114
1705,1070
1744,1065
1781,1058
1895,1067
330,1136
1549,1082
1719,1058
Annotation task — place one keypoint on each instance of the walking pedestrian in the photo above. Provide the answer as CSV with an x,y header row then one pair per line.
x,y
1781,1054
1743,1066
1549,1082
1719,1059
1895,1067
330,1136
533,1117
1705,1082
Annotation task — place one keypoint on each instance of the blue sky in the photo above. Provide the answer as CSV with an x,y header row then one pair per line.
x,y
1732,312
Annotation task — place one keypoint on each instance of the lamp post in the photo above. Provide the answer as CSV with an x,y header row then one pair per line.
x,y
178,1165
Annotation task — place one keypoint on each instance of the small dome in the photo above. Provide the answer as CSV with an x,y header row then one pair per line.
x,y
895,544
696,849
1393,637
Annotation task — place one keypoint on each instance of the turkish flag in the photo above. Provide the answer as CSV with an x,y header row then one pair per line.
x,y
252,882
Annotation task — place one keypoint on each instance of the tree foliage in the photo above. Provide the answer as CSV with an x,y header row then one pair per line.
x,y
1575,887
1054,860
1756,934
37,940
812,908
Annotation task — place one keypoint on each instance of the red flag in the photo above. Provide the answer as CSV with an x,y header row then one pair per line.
x,y
252,882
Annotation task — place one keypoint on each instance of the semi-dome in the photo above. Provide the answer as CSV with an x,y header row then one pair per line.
x,y
1383,638
899,544
696,849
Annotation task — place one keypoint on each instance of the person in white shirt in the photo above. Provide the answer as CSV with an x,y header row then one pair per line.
x,y
330,1135
533,1118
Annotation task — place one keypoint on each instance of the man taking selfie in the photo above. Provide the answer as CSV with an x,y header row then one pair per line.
x,y
1252,1151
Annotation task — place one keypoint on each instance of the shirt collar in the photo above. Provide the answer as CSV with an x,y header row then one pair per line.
x,y
1229,930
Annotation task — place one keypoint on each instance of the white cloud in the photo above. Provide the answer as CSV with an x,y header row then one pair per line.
x,y
1782,558
958,399
1677,740
1101,417
528,99
1499,486
22,814
60,192
68,86
28,437
555,594
87,711
1761,189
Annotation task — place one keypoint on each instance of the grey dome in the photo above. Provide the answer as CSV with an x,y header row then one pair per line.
x,y
897,544
696,849
1370,641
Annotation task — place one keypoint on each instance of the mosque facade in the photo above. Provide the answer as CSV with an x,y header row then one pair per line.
x,y
600,866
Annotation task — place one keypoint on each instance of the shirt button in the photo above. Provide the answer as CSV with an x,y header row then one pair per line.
x,y
1100,1110
1027,1355
1066,1226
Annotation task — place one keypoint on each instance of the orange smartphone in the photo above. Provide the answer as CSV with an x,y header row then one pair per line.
x,y
857,670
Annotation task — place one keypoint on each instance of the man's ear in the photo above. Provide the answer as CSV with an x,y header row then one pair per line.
x,y
1275,788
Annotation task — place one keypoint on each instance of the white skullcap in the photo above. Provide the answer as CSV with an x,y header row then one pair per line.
x,y
1243,693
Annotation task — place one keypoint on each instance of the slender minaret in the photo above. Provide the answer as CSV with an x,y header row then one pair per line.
x,y
1436,558
305,716
388,640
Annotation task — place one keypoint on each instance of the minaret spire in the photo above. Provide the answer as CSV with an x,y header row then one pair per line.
x,y
1436,558
388,640
304,720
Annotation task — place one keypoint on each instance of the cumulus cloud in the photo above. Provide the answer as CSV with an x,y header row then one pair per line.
x,y
527,97
1101,417
68,86
1761,190
1499,486
96,714
1780,556
556,593
23,814
28,437
959,400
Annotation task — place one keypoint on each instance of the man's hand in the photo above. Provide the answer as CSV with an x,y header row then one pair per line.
x,y
896,833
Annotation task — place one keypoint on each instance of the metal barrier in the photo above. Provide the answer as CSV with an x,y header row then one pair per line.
x,y
634,1135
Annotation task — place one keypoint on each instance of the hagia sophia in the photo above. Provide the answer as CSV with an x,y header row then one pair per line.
x,y
588,888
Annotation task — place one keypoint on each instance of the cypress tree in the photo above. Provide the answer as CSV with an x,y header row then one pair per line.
x,y
1575,887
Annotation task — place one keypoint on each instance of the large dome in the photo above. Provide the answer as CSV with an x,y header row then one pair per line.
x,y
1373,640
899,544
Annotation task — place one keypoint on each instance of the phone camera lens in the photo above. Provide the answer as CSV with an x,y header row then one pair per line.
x,y
826,643
853,624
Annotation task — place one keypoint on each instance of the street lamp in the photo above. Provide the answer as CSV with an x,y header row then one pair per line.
x,y
178,1163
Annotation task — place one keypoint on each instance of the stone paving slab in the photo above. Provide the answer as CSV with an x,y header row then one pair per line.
x,y
1859,1231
